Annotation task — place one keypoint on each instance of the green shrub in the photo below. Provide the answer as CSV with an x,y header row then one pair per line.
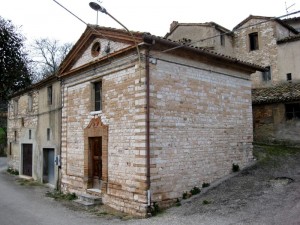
x,y
12,171
155,209
58,195
185,195
204,185
206,202
195,191
235,168
178,203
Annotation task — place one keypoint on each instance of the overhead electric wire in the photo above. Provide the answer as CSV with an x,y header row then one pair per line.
x,y
189,44
89,25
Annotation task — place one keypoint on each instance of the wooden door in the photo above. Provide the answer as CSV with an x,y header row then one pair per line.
x,y
27,159
96,160
48,166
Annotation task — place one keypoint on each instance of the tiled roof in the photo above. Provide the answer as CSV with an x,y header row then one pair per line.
x,y
291,19
286,92
289,39
207,24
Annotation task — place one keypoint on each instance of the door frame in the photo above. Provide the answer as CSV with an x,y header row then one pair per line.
x,y
22,162
96,129
92,165
44,150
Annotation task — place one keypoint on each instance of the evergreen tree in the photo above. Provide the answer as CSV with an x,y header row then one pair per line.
x,y
14,67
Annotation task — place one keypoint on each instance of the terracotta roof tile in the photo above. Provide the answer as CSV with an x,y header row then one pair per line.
x,y
289,39
286,92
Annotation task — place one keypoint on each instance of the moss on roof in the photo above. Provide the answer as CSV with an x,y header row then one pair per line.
x,y
285,92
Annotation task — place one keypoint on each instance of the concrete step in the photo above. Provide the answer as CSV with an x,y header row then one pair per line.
x,y
88,201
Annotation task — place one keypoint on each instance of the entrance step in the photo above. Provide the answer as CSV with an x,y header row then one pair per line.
x,y
88,201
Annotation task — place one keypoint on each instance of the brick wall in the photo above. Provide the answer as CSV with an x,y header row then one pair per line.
x,y
201,123
124,114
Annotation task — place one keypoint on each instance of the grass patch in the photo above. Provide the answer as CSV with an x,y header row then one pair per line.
x,y
263,151
107,212
204,185
58,195
269,154
195,191
12,171
206,202
177,203
28,182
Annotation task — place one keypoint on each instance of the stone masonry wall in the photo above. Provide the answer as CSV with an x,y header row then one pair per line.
x,y
86,56
201,123
271,126
18,124
267,54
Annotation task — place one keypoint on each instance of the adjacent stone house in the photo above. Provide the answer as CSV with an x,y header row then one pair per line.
x,y
273,44
34,127
144,127
276,99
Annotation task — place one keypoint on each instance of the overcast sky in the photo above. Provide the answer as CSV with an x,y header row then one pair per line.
x,y
45,18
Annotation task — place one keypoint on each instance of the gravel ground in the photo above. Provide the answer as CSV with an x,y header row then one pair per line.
x,y
266,193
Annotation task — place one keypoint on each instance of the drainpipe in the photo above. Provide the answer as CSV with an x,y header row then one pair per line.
x,y
148,126
59,176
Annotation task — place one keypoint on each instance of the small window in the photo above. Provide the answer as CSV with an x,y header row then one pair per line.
x,y
29,103
288,76
292,111
50,95
22,122
96,49
29,134
15,135
253,41
10,148
98,96
48,134
266,75
222,39
16,103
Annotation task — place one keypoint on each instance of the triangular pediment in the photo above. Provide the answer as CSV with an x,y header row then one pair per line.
x,y
98,43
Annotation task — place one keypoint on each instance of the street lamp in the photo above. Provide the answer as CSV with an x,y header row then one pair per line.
x,y
95,6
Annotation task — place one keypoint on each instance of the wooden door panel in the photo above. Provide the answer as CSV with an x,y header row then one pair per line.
x,y
96,159
27,159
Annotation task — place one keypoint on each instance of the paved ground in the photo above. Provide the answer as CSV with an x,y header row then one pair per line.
x,y
27,205
267,193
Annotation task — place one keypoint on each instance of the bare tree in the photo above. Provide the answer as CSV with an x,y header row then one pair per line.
x,y
47,56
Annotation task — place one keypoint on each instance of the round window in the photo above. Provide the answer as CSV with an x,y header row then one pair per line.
x,y
96,49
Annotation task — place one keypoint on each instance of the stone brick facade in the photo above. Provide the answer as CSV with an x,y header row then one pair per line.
x,y
200,126
199,123
33,122
278,43
166,122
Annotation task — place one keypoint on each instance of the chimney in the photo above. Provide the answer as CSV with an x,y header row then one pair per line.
x,y
173,25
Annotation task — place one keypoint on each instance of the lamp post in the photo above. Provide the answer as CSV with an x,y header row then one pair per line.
x,y
95,6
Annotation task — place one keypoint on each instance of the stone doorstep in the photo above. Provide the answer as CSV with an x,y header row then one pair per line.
x,y
88,201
